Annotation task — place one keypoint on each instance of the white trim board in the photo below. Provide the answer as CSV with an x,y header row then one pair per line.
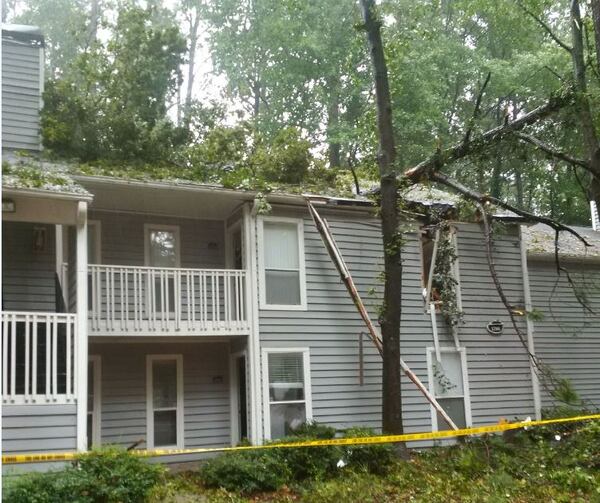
x,y
299,222
265,381
150,359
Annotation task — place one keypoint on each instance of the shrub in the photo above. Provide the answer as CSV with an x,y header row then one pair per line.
x,y
246,471
102,476
375,458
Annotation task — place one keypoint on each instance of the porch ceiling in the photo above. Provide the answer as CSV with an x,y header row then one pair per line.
x,y
166,199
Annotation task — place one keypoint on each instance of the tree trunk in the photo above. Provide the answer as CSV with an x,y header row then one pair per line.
x,y
594,192
256,95
333,117
392,307
94,18
187,106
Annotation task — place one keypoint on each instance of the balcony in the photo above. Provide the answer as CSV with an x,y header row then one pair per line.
x,y
38,358
153,301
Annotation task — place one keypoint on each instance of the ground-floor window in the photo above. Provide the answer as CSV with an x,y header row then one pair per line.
x,y
448,381
287,390
164,378
94,401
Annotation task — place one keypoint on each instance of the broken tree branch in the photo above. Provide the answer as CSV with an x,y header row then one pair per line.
x,y
545,27
487,199
476,109
551,151
481,142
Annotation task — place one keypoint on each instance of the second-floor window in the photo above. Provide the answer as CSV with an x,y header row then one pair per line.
x,y
282,263
162,245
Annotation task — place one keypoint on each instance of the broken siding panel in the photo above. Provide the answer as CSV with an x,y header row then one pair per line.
x,y
568,337
38,428
28,277
205,383
21,95
122,239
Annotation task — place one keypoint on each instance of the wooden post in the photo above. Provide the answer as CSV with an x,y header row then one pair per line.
x,y
81,347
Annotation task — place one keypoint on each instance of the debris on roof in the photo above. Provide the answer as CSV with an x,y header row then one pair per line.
x,y
38,175
539,239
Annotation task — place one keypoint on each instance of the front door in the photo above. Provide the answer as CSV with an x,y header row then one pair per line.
x,y
162,252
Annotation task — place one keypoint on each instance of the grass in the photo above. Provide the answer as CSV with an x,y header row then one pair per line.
x,y
552,464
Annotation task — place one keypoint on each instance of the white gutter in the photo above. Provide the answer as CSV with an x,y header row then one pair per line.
x,y
47,194
535,381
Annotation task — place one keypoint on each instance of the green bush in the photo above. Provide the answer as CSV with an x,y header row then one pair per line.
x,y
375,458
246,472
104,476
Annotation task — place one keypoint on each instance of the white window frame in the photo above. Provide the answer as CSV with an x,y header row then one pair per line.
x,y
95,227
301,264
96,361
150,359
455,269
465,378
162,227
307,386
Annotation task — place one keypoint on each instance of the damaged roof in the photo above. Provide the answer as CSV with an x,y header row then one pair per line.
x,y
539,239
40,176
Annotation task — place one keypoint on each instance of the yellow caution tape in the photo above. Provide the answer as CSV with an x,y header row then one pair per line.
x,y
381,439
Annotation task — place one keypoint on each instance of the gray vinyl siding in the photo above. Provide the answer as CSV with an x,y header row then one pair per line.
x,y
568,336
21,95
122,239
38,428
499,374
206,391
28,277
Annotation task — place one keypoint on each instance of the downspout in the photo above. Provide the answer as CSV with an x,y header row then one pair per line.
x,y
535,381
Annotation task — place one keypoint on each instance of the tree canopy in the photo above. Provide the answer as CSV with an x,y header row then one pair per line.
x,y
298,99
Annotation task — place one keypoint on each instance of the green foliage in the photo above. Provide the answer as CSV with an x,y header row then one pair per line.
x,y
266,470
565,393
246,472
105,476
112,101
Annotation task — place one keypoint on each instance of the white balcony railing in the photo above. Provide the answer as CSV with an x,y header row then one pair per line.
x,y
126,300
38,357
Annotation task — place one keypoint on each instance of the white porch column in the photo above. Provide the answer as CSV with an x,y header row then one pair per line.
x,y
255,430
81,351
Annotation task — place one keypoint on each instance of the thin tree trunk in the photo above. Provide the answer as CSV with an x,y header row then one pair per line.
x,y
187,107
392,308
94,18
333,117
256,95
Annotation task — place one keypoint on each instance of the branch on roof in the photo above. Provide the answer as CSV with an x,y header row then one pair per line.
x,y
487,199
545,27
551,151
446,156
476,110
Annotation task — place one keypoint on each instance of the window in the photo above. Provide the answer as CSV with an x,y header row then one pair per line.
x,y
282,264
287,390
448,382
162,245
94,402
439,260
164,374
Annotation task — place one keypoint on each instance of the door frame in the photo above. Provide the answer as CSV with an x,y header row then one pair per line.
x,y
234,396
180,424
96,361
